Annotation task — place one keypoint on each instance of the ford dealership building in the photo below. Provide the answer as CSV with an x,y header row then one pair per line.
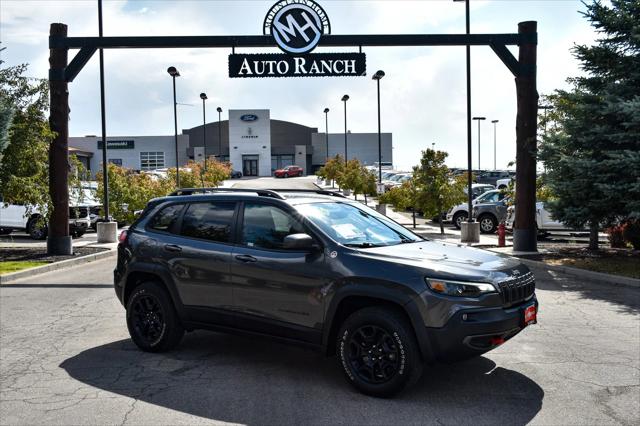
x,y
255,144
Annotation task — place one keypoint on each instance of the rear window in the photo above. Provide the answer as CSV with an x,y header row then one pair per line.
x,y
209,221
166,218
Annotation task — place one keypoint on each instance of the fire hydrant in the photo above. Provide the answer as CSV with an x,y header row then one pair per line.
x,y
501,235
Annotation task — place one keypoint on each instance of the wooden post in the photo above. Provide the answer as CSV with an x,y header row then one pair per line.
x,y
58,240
524,229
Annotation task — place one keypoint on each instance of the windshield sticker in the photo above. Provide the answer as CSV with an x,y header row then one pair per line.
x,y
348,231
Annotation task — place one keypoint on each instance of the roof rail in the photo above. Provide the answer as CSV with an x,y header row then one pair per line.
x,y
191,191
312,191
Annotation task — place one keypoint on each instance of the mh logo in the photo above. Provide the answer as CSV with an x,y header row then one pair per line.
x,y
296,26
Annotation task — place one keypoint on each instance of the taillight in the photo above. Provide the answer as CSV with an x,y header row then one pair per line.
x,y
123,236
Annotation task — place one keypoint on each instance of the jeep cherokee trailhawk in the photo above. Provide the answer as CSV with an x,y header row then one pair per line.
x,y
317,269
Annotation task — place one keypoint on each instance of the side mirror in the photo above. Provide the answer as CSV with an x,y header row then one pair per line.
x,y
302,242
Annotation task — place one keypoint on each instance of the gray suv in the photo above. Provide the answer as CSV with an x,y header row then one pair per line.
x,y
316,269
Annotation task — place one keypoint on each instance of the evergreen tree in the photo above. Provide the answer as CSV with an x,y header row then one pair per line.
x,y
591,149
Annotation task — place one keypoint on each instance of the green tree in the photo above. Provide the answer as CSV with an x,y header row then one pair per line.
x,y
334,168
402,197
437,190
24,169
591,149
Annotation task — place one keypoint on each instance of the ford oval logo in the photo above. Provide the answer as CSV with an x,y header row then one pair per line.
x,y
249,117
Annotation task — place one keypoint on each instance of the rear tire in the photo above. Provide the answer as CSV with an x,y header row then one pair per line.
x,y
458,218
488,224
378,352
152,320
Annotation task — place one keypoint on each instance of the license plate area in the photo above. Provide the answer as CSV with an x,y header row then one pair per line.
x,y
529,315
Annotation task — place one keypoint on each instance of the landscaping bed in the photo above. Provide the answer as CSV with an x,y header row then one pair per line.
x,y
621,262
16,259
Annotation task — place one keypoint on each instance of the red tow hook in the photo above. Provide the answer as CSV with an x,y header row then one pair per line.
x,y
501,235
497,341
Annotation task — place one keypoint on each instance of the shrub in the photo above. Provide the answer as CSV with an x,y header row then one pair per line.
x,y
615,236
631,233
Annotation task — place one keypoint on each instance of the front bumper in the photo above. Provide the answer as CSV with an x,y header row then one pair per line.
x,y
472,332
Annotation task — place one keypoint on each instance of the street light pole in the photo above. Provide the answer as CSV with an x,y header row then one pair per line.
x,y
495,122
105,174
219,134
326,132
345,98
469,165
173,72
203,96
479,119
377,77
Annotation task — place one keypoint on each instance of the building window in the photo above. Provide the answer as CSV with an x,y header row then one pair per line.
x,y
116,161
151,160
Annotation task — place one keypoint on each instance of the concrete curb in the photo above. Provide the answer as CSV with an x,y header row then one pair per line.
x,y
583,273
7,278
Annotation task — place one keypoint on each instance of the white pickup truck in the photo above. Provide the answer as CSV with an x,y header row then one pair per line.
x,y
15,217
544,221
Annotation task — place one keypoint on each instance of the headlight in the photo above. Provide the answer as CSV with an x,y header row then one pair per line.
x,y
459,288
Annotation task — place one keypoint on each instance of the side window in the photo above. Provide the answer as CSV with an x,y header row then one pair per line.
x,y
209,221
266,226
166,218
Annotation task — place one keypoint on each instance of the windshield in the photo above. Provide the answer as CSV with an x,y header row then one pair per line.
x,y
356,226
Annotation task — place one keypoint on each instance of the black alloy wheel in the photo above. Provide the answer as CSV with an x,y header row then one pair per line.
x,y
373,354
152,320
148,318
378,352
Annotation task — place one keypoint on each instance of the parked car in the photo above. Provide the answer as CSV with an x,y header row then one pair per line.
x,y
544,221
460,213
16,217
492,176
396,180
236,174
315,268
289,171
490,214
503,183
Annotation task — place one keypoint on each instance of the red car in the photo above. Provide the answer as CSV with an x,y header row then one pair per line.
x,y
289,171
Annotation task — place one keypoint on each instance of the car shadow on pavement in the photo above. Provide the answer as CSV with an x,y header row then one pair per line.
x,y
626,299
255,381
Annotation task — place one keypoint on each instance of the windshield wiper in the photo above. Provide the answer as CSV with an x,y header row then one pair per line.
x,y
364,245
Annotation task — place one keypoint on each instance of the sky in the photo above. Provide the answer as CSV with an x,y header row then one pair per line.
x,y
423,92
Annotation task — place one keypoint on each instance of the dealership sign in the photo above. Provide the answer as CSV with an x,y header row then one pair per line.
x,y
249,117
297,27
122,144
314,65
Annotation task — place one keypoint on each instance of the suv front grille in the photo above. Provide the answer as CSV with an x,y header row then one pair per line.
x,y
78,212
515,290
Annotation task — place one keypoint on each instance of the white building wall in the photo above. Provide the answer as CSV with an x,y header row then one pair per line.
x,y
130,157
250,138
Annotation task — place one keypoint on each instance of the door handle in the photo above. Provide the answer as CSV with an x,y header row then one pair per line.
x,y
173,248
245,258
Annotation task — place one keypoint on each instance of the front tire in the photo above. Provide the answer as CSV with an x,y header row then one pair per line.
x,y
152,320
36,230
378,353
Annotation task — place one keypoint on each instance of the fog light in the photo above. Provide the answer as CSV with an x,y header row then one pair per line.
x,y
464,317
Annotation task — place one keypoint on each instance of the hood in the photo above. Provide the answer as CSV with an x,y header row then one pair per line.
x,y
449,261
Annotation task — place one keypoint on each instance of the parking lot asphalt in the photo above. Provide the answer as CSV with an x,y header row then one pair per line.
x,y
66,358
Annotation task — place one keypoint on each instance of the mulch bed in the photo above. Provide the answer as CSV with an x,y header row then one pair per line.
x,y
40,254
624,262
